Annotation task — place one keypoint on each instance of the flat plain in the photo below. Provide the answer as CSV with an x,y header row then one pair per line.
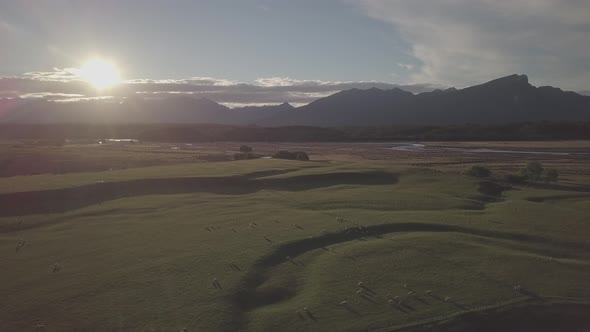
x,y
379,236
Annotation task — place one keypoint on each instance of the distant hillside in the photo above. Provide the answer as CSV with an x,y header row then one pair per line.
x,y
505,100
509,99
255,114
174,109
53,134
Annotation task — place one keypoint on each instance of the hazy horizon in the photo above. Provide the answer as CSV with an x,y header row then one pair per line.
x,y
260,52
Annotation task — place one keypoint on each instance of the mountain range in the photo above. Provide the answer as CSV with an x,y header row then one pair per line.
x,y
509,99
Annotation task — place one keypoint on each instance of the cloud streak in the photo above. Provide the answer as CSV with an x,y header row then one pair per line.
x,y
65,85
463,42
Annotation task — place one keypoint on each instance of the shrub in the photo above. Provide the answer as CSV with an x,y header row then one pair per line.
x,y
551,175
245,156
283,155
478,172
491,188
533,171
515,179
298,155
245,149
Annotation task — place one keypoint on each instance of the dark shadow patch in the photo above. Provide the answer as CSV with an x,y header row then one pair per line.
x,y
311,316
66,199
407,307
246,299
491,188
368,298
556,198
530,316
421,300
350,309
399,308
368,290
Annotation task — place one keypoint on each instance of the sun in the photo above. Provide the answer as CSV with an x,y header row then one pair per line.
x,y
100,73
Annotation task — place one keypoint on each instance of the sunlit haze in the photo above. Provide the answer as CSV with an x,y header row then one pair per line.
x,y
100,73
292,51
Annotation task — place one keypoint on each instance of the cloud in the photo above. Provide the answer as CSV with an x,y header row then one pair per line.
x,y
203,81
65,83
406,66
59,75
463,42
77,99
49,95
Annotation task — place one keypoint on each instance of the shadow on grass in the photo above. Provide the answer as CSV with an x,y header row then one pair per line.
x,y
246,297
350,309
66,199
533,316
368,298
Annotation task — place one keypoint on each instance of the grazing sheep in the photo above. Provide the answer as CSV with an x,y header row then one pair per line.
x,y
39,327
306,310
411,293
390,302
448,299
360,284
428,292
343,303
56,267
298,313
388,296
359,292
21,243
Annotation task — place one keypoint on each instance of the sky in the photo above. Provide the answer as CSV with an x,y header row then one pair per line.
x,y
270,51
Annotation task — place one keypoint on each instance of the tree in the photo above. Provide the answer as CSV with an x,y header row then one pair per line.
x,y
245,149
298,155
478,172
551,175
533,171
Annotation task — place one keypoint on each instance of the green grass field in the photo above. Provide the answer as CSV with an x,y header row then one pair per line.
x,y
303,235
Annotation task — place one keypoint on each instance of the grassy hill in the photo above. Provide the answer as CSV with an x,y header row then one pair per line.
x,y
210,258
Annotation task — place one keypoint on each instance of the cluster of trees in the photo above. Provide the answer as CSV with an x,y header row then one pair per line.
x,y
213,133
297,155
532,172
479,172
245,153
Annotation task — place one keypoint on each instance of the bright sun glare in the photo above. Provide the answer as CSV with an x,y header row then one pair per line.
x,y
102,74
